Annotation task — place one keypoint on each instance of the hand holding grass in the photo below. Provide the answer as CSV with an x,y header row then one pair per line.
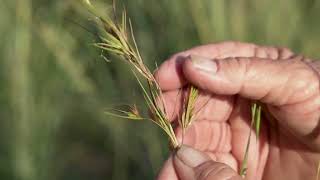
x,y
245,72
288,88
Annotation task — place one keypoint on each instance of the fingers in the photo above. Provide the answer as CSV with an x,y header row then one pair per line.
x,y
258,148
207,136
285,85
207,106
191,164
273,82
168,171
169,74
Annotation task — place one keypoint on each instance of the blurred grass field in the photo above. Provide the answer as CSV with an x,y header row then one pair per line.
x,y
54,86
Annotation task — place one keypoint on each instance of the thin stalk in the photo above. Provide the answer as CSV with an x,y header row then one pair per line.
x,y
318,171
255,119
115,39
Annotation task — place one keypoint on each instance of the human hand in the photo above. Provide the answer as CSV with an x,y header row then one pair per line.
x,y
231,75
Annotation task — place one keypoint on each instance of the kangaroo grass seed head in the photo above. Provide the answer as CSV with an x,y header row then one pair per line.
x,y
115,39
188,112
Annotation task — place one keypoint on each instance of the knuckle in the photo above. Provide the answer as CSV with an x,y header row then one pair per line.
x,y
235,70
231,43
285,53
238,44
274,53
244,66
270,52
236,65
302,80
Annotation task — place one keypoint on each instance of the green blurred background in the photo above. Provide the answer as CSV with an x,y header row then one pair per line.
x,y
54,86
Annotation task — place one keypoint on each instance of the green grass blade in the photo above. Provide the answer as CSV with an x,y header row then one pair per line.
x,y
255,120
258,121
318,171
244,164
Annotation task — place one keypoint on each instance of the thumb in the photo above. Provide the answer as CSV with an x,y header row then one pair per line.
x,y
274,82
191,164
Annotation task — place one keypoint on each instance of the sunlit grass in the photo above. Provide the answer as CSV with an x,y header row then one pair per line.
x,y
53,85
115,39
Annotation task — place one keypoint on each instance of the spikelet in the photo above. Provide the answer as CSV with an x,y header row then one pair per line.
x,y
115,39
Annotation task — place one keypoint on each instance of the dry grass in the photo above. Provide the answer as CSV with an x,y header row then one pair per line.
x,y
115,39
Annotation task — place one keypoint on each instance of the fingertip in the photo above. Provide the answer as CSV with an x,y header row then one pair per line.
x,y
168,171
195,76
186,159
169,75
218,76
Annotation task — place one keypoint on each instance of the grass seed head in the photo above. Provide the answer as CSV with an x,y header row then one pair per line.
x,y
115,39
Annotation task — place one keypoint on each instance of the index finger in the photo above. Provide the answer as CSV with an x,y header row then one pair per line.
x,y
170,76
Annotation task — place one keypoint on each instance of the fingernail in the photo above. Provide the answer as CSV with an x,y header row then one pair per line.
x,y
191,157
204,64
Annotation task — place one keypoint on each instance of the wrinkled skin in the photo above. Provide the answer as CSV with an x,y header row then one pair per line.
x,y
285,84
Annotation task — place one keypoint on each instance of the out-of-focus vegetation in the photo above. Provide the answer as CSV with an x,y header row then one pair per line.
x,y
54,86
